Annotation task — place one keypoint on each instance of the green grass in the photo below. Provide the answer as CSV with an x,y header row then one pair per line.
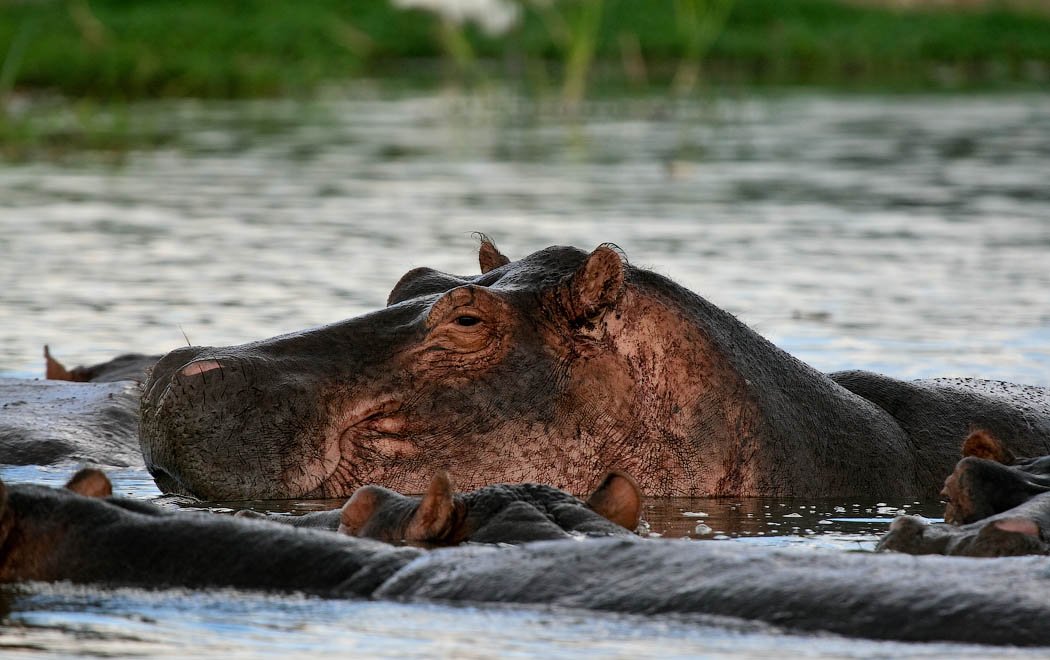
x,y
130,49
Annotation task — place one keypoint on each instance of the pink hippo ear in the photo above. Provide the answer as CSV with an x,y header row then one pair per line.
x,y
489,257
90,482
359,509
596,285
618,499
433,518
983,444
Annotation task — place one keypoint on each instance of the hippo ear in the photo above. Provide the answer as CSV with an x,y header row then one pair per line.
x,y
618,499
90,482
489,257
596,284
433,518
983,444
360,508
53,369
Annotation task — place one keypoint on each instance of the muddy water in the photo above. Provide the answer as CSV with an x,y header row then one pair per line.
x,y
904,235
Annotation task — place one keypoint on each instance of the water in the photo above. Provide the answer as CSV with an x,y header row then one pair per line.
x,y
905,235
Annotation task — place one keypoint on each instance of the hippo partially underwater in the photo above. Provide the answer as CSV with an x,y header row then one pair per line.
x,y
556,368
503,513
62,534
85,414
997,506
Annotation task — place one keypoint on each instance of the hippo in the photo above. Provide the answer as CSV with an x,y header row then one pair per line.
x,y
556,368
993,510
85,414
505,513
51,534
1022,530
990,480
129,366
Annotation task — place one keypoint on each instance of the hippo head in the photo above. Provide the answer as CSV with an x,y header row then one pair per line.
x,y
556,368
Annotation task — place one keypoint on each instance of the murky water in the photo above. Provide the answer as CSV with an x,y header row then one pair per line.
x,y
909,236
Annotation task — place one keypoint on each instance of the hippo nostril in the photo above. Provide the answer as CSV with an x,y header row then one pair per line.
x,y
199,367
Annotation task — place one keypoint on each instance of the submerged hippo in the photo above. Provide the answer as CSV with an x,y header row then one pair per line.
x,y
56,534
556,368
84,414
130,366
993,510
505,513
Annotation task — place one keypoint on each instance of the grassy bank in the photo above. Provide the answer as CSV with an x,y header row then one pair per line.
x,y
117,49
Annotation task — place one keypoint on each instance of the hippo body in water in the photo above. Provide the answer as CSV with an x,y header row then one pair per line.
x,y
54,534
505,513
85,414
997,506
556,368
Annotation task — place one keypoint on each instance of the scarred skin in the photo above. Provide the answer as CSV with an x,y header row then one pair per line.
x,y
557,369
56,534
993,510
505,513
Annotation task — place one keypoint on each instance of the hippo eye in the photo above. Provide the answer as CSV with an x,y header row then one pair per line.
x,y
466,320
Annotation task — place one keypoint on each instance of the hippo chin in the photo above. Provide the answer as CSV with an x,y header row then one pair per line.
x,y
556,368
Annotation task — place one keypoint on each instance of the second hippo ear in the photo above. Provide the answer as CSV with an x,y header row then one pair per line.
x,y
983,444
618,499
360,508
489,257
90,482
596,285
433,518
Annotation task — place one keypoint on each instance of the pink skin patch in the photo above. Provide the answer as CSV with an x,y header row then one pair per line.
x,y
1020,525
198,368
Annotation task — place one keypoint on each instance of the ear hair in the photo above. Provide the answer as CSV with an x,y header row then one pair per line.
x,y
489,257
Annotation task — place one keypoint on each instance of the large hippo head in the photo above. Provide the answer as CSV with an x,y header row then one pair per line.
x,y
556,368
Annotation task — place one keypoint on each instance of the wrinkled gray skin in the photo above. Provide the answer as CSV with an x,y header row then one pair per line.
x,y
556,369
51,534
45,422
89,416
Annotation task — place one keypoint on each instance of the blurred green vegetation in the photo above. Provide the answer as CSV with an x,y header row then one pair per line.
x,y
126,49
75,63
